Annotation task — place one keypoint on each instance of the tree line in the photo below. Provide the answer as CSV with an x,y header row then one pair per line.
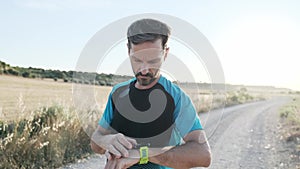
x,y
66,76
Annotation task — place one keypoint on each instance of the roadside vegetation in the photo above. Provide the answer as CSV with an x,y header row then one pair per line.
x,y
290,125
39,124
50,138
241,96
205,102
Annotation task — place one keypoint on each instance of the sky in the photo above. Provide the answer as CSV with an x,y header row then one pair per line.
x,y
257,42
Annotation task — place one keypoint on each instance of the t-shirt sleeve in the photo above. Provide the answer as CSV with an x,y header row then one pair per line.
x,y
107,116
187,119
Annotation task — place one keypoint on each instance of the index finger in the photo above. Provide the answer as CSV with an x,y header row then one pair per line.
x,y
132,141
127,142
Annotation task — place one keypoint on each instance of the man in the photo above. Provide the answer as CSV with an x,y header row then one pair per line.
x,y
149,122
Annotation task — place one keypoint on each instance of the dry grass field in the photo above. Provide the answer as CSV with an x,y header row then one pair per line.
x,y
19,96
41,123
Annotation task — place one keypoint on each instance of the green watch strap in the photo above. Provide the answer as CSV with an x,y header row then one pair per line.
x,y
144,155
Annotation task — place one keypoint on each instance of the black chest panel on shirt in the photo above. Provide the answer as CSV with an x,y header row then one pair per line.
x,y
158,131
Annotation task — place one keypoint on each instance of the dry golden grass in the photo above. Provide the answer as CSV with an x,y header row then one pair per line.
x,y
290,126
290,113
20,96
42,124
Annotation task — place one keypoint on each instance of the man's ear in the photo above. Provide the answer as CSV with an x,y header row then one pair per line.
x,y
128,49
167,52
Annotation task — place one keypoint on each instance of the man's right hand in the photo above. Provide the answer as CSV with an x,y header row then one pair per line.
x,y
116,144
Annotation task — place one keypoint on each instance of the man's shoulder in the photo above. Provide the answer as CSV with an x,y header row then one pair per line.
x,y
122,84
169,86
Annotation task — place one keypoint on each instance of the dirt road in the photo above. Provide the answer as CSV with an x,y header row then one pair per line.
x,y
248,137
243,136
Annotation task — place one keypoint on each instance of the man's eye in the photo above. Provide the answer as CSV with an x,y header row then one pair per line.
x,y
138,61
153,61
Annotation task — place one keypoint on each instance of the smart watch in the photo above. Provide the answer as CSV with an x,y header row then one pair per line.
x,y
144,158
144,152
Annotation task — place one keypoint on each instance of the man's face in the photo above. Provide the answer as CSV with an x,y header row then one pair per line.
x,y
146,59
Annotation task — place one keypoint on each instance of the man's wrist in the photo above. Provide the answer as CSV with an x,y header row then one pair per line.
x,y
134,153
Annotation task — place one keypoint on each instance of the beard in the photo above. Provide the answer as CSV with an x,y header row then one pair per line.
x,y
146,79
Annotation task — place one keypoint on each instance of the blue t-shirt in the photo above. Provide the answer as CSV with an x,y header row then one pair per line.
x,y
162,115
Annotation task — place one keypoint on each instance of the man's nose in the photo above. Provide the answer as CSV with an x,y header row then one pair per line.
x,y
144,69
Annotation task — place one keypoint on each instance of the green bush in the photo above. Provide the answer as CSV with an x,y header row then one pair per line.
x,y
239,97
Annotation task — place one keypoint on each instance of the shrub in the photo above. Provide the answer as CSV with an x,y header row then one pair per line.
x,y
25,74
239,97
48,140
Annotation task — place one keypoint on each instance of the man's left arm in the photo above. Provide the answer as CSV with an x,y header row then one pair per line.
x,y
195,152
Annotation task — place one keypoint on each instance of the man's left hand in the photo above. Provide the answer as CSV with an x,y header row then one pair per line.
x,y
123,162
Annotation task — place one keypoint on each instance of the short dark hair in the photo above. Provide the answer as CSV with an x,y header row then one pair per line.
x,y
147,30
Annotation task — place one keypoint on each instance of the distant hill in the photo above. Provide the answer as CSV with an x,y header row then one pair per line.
x,y
111,79
66,76
215,88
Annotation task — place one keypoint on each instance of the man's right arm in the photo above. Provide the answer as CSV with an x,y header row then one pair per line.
x,y
95,145
117,144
